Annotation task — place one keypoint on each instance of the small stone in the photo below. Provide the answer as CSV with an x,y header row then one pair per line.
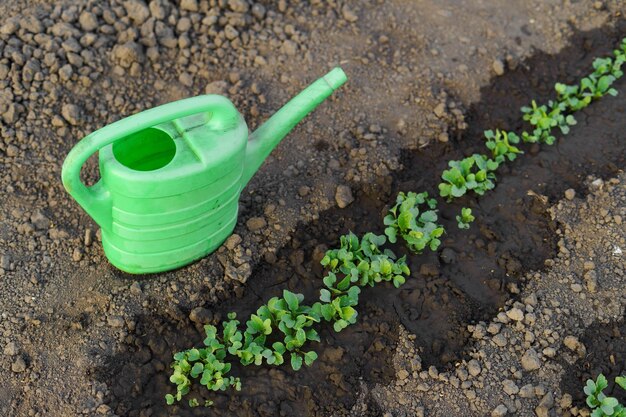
x,y
66,72
5,262
566,401
591,281
576,287
88,239
135,288
230,32
216,87
343,196
88,21
550,352
12,151
348,14
499,411
18,365
185,79
10,27
115,321
128,53
31,24
137,11
443,137
191,5
10,349
71,113
570,194
183,25
256,223
402,374
498,67
304,190
588,265
289,48
201,315
573,344
596,185
527,391
515,314
530,360
77,255
40,221
440,110
240,273
239,6
258,11
448,256
500,340
233,241
473,367
510,387
546,403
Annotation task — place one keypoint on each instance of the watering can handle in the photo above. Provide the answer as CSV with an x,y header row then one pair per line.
x,y
96,200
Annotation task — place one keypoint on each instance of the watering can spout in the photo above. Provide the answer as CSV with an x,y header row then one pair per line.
x,y
269,134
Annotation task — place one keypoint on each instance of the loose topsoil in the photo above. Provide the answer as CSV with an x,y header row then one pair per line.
x,y
80,337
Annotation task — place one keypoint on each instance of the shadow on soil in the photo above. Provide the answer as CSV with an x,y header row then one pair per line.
x,y
467,281
606,354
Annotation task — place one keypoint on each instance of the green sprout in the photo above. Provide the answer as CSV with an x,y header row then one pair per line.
x,y
500,145
465,218
544,118
474,173
414,218
600,404
362,262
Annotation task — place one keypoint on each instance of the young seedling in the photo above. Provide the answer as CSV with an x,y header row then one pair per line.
x,y
474,173
500,145
362,262
355,264
571,97
205,363
465,218
294,320
544,118
414,218
600,404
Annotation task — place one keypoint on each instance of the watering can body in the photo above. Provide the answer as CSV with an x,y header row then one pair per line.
x,y
171,176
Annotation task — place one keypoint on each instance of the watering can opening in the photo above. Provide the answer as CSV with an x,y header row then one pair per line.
x,y
147,150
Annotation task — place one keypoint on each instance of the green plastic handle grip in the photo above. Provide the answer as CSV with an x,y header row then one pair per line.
x,y
96,200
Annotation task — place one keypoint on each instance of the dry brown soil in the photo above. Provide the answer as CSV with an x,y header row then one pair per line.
x,y
78,337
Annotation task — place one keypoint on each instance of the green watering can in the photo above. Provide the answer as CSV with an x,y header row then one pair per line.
x,y
171,176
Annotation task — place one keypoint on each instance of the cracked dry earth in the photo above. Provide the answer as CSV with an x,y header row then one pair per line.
x,y
78,337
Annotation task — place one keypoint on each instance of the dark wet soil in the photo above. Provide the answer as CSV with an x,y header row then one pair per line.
x,y
465,282
606,354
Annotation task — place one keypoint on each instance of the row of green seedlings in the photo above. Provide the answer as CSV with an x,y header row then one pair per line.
x,y
600,404
280,330
282,327
477,172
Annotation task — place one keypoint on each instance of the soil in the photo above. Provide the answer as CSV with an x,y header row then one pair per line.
x,y
80,337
